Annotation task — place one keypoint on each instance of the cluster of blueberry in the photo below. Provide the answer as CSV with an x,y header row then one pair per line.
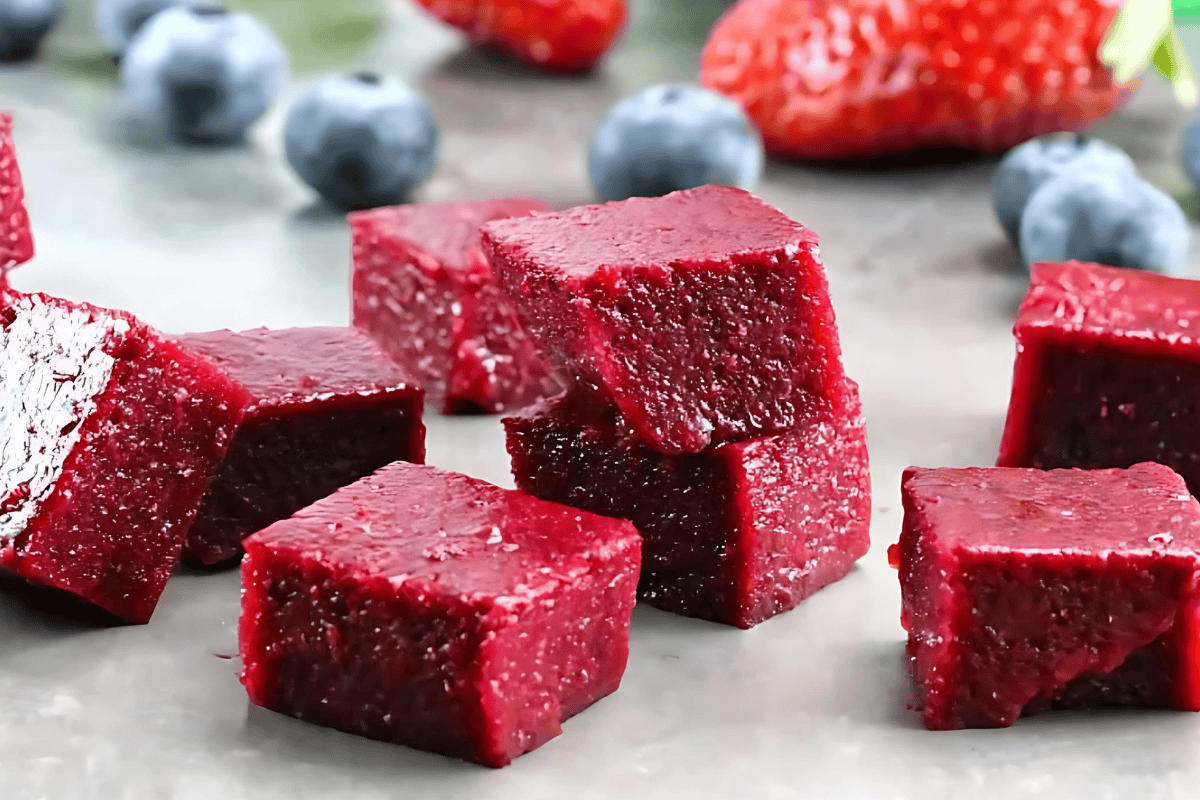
x,y
1066,197
363,141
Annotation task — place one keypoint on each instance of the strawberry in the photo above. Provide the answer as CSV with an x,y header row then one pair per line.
x,y
843,79
16,240
555,35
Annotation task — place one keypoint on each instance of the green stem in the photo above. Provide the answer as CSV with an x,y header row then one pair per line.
x,y
1144,35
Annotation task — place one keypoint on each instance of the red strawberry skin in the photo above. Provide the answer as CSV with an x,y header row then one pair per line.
x,y
554,35
16,238
847,79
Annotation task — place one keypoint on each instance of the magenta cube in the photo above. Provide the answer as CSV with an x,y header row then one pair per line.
x,y
1107,371
328,407
112,434
736,534
702,316
434,610
423,289
1025,589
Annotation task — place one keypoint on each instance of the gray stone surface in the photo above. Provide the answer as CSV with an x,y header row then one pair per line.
x,y
810,704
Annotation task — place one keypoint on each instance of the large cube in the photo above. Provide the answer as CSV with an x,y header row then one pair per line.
x,y
1025,589
1107,371
424,290
438,611
329,407
16,237
703,316
111,434
736,534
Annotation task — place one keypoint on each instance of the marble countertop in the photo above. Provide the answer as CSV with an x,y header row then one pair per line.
x,y
811,704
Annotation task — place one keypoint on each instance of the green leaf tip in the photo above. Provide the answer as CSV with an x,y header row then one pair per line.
x,y
1143,35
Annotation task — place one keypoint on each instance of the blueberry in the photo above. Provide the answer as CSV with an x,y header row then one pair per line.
x,y
361,141
671,137
118,21
1109,217
1189,150
23,25
1027,167
209,72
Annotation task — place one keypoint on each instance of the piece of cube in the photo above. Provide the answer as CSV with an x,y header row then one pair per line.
x,y
736,534
1025,589
423,288
111,435
1107,371
434,610
329,407
16,237
703,316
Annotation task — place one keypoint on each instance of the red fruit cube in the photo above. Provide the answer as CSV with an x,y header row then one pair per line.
x,y
329,407
435,610
16,238
112,434
704,316
423,289
736,534
1025,589
1107,371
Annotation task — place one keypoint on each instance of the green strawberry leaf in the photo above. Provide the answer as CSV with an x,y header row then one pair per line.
x,y
1143,35
1171,60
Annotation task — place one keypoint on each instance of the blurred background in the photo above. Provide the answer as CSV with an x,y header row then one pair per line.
x,y
202,237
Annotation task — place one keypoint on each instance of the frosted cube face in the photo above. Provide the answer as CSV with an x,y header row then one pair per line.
x,y
52,367
109,437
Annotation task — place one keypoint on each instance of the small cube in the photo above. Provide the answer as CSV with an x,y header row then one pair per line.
x,y
424,290
736,534
329,407
111,434
1025,589
16,237
1107,371
703,316
434,610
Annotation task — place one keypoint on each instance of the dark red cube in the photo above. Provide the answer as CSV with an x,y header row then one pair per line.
x,y
423,288
1026,589
329,407
434,610
16,237
703,316
1107,371
112,434
736,534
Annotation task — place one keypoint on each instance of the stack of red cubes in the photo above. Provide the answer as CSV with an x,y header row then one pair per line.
x,y
707,402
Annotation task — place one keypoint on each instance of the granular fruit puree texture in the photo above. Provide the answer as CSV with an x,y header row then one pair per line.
x,y
16,237
1107,371
736,534
434,610
703,316
1025,589
424,290
329,407
110,436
